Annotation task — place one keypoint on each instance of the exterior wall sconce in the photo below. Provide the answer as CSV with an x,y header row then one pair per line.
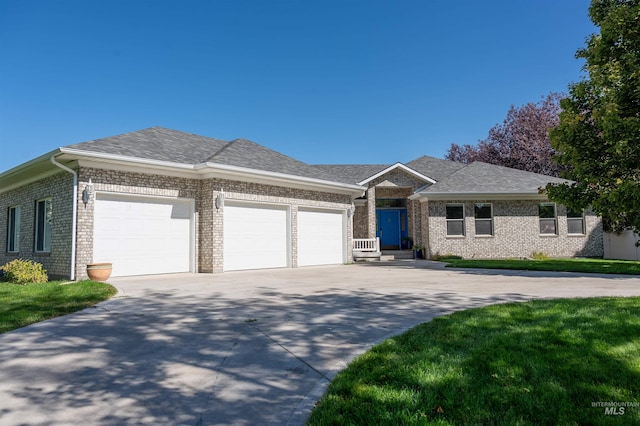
x,y
86,194
220,200
351,210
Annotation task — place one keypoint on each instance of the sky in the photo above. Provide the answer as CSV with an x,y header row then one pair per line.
x,y
325,82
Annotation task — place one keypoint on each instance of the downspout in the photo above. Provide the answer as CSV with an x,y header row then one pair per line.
x,y
74,215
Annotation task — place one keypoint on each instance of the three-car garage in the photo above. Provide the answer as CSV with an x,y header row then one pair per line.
x,y
152,235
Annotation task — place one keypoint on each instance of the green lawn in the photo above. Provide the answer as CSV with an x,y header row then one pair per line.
x,y
21,305
599,266
541,362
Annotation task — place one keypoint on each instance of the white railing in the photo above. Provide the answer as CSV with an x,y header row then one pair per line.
x,y
366,244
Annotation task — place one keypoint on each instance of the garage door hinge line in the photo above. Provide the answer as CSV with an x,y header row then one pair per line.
x,y
291,353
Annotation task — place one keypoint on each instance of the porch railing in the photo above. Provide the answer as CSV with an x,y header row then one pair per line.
x,y
366,244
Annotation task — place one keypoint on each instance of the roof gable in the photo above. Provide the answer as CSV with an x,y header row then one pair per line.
x,y
397,166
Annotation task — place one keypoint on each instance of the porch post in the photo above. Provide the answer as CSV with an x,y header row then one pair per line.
x,y
371,211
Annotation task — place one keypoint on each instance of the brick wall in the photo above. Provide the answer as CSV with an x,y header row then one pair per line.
x,y
516,232
59,188
209,221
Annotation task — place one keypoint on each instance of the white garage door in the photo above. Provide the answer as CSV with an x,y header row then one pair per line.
x,y
255,237
320,238
141,235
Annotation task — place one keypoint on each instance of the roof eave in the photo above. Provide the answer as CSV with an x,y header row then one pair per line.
x,y
244,174
209,170
28,172
427,196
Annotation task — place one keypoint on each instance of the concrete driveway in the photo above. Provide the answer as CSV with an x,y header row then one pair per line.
x,y
240,348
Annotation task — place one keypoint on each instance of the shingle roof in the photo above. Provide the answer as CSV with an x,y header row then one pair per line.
x,y
479,178
156,143
350,173
435,168
244,153
161,144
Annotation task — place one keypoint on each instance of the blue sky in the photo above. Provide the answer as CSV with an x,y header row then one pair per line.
x,y
322,81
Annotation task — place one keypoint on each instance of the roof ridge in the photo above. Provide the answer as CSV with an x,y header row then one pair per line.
x,y
221,150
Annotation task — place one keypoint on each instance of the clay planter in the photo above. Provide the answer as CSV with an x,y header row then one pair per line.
x,y
99,271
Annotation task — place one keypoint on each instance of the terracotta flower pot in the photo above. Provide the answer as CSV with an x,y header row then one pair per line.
x,y
99,271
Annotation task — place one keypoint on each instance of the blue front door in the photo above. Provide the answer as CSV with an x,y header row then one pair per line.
x,y
388,229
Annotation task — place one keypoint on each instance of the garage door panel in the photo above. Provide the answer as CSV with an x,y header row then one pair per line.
x,y
320,237
255,237
142,235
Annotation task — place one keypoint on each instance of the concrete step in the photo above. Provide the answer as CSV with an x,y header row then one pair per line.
x,y
397,254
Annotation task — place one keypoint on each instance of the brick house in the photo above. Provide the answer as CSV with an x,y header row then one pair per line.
x,y
162,201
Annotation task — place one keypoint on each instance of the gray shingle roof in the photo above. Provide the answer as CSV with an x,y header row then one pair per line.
x,y
435,168
351,173
156,143
161,144
244,153
479,178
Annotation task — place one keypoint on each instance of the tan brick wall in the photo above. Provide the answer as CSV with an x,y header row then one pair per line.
x,y
59,188
209,221
292,197
516,232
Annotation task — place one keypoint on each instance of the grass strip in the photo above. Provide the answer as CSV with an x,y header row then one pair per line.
x,y
598,266
540,362
21,305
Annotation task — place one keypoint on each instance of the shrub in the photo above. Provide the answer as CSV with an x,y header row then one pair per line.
x,y
540,255
20,271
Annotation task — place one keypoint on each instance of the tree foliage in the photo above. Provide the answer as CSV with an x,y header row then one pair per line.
x,y
598,137
521,141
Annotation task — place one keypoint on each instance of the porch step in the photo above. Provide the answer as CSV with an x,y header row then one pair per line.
x,y
396,254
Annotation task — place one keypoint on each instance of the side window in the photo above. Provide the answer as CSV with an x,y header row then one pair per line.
x,y
575,222
13,229
548,219
455,219
483,214
44,220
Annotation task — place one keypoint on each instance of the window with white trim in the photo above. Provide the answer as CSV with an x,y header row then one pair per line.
x,y
455,220
575,222
44,220
483,214
548,219
13,229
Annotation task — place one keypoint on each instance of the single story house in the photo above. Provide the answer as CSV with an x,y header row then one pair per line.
x,y
163,201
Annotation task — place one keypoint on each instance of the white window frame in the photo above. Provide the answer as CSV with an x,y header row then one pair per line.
x,y
13,229
455,220
554,218
477,219
576,219
43,246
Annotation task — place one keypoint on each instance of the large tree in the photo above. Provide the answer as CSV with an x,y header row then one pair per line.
x,y
598,137
521,141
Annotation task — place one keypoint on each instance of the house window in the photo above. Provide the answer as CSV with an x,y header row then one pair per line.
x,y
483,214
13,230
455,220
44,219
548,221
575,222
